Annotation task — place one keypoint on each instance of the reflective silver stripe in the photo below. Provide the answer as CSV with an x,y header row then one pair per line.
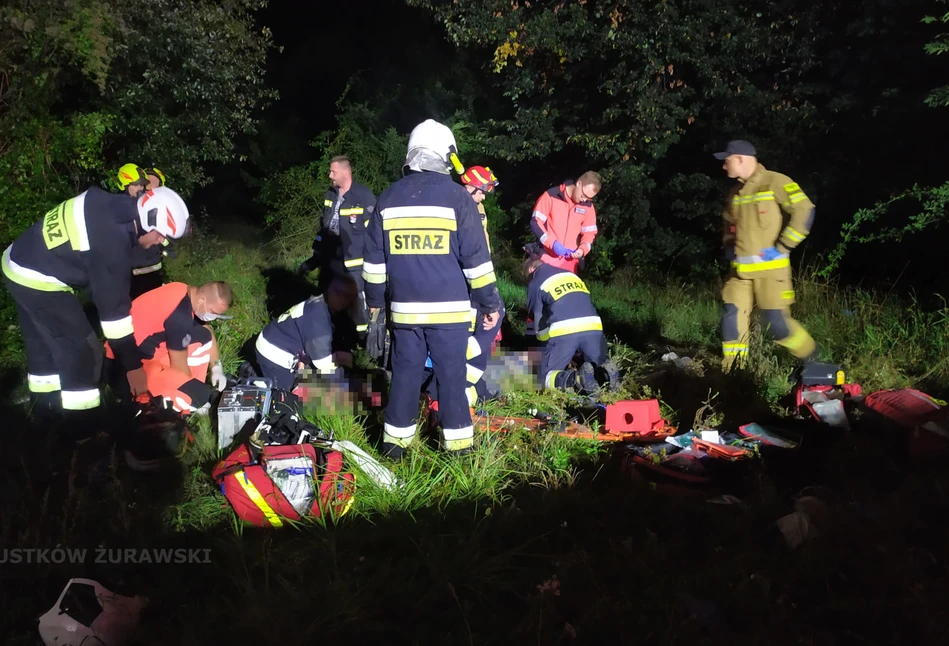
x,y
199,361
549,379
80,399
430,308
481,270
118,329
398,435
395,212
181,405
204,348
325,365
272,353
591,229
374,268
138,271
540,216
362,328
31,274
458,433
589,247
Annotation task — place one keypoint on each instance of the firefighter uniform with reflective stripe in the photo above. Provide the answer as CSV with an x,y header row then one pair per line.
x,y
426,240
147,268
164,321
754,221
342,238
481,341
556,218
565,322
302,334
85,242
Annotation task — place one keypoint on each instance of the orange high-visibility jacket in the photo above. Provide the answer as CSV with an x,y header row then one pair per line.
x,y
557,217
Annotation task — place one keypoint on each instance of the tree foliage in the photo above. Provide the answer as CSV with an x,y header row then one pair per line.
x,y
939,97
87,85
622,85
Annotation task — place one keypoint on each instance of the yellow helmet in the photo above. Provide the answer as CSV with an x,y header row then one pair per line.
x,y
132,174
157,173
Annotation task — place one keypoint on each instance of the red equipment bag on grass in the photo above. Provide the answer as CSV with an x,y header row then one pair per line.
x,y
285,483
926,418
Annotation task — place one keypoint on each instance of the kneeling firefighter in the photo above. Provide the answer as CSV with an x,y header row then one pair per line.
x,y
176,351
85,242
567,323
302,337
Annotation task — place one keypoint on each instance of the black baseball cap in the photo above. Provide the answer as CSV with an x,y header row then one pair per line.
x,y
738,147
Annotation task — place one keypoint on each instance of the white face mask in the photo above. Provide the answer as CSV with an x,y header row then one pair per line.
x,y
207,317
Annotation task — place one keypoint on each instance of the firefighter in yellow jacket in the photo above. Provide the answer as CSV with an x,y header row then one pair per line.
x,y
759,245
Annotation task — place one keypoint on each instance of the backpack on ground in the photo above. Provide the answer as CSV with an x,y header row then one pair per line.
x,y
268,483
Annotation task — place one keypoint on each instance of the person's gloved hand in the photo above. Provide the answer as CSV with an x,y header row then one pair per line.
x,y
771,253
561,250
218,380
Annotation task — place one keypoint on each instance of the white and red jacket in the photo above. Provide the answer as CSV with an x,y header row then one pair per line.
x,y
558,218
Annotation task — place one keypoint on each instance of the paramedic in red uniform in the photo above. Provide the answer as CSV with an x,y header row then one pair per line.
x,y
176,349
564,221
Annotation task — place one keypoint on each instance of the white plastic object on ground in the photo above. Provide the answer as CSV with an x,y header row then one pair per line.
x,y
115,624
371,467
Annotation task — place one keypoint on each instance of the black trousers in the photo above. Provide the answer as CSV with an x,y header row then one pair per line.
x,y
63,354
559,351
410,347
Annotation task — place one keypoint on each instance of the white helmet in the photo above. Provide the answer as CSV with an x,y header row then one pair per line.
x,y
432,147
163,210
88,613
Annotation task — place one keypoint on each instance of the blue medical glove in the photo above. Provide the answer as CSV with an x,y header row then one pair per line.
x,y
771,253
561,250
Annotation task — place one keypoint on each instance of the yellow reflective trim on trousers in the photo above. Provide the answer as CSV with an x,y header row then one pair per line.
x,y
43,383
482,281
762,266
442,318
796,339
257,499
734,348
355,262
440,224
26,281
458,445
474,349
80,399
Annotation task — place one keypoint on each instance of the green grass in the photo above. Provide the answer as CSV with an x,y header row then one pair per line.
x,y
534,538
